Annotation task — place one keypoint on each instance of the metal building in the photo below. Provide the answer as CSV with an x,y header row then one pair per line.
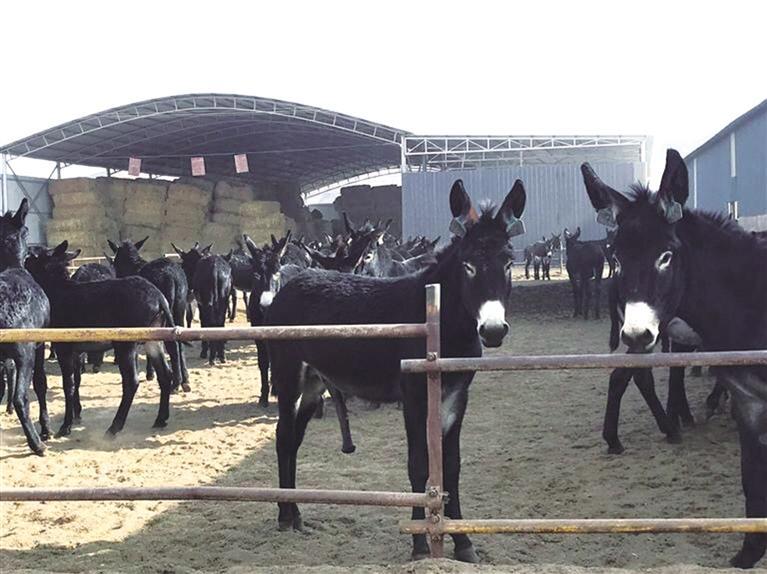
x,y
488,166
729,171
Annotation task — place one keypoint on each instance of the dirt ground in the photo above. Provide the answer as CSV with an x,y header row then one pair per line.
x,y
531,448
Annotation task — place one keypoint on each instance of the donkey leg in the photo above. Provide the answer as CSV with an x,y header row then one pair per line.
x,y
79,359
753,465
677,406
40,383
288,374
247,308
597,293
527,269
619,380
172,348
576,295
536,270
339,402
149,370
233,309
66,358
263,367
464,549
126,357
414,409
646,383
164,379
10,378
24,369
586,295
714,399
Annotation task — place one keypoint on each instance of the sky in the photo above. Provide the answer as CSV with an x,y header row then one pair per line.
x,y
677,71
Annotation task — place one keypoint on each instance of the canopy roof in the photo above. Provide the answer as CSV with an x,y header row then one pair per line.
x,y
285,142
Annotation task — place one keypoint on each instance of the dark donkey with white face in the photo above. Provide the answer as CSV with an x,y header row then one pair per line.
x,y
475,274
676,262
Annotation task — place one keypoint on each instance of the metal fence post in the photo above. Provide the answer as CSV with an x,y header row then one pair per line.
x,y
434,421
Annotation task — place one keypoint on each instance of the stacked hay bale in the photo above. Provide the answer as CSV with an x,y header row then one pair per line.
x,y
144,214
262,219
224,227
186,211
82,215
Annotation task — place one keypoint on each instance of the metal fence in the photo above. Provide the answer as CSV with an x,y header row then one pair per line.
x,y
436,525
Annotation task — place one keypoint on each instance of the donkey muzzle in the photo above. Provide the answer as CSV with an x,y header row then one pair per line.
x,y
491,324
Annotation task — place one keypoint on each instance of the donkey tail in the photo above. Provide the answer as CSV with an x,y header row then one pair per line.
x,y
165,312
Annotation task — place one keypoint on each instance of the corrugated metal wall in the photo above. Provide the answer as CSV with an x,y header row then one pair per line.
x,y
710,169
40,207
556,197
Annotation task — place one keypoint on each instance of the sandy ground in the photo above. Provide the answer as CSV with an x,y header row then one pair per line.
x,y
531,448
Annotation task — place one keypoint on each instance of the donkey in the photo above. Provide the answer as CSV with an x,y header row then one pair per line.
x,y
242,278
474,271
212,284
585,260
93,272
128,302
23,305
189,260
539,254
169,278
678,262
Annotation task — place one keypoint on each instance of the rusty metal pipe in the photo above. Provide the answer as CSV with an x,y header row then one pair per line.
x,y
381,331
220,493
557,362
587,526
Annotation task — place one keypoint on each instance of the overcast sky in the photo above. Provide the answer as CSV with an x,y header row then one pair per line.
x,y
677,71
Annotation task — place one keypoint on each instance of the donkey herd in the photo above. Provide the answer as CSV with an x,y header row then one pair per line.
x,y
676,275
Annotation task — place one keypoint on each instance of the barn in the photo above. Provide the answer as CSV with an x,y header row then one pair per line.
x,y
548,166
729,171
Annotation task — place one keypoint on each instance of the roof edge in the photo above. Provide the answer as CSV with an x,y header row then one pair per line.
x,y
756,110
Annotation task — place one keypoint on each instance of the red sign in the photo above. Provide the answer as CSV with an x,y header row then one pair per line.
x,y
134,166
241,163
198,166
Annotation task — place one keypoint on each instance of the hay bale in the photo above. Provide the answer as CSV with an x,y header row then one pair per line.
x,y
143,214
189,194
227,206
185,215
198,182
58,187
103,226
233,190
77,198
181,236
257,209
277,222
221,234
145,193
88,212
232,219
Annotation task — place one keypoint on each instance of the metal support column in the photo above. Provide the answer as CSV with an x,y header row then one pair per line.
x,y
4,189
434,483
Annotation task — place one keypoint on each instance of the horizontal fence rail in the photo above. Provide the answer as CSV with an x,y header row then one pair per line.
x,y
383,331
219,493
586,526
561,362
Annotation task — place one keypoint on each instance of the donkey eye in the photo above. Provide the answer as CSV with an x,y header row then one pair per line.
x,y
471,271
664,260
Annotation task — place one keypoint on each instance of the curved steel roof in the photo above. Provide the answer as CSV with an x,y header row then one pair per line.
x,y
284,141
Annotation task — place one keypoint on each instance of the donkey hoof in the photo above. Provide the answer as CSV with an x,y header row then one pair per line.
x,y
466,554
40,449
64,431
96,369
688,423
185,387
298,523
111,434
45,435
745,559
158,424
417,555
348,448
149,377
284,524
263,403
674,438
616,449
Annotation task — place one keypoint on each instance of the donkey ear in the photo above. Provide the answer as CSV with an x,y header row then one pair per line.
x,y
109,259
207,248
251,245
61,248
177,250
674,185
607,202
460,202
511,210
21,213
347,224
140,244
228,256
72,255
112,245
577,233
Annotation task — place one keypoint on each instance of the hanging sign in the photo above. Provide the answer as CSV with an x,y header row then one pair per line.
x,y
134,166
198,166
241,163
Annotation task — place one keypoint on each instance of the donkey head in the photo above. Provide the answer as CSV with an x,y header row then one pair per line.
x,y
13,237
266,263
127,260
48,265
189,259
647,253
485,254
